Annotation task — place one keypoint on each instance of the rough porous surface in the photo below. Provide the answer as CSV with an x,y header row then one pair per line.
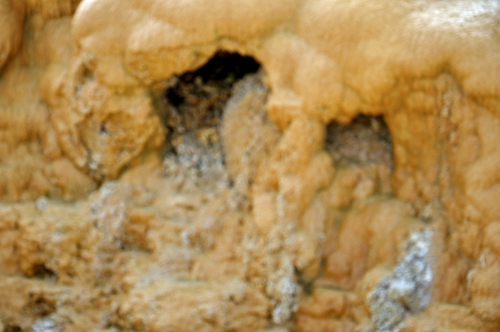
x,y
343,176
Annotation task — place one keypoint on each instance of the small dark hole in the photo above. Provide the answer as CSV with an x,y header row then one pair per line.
x,y
12,328
40,305
364,140
43,308
174,97
42,272
307,285
103,130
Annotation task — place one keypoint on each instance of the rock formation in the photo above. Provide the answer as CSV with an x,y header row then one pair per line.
x,y
228,165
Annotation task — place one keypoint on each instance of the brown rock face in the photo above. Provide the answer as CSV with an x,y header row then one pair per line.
x,y
225,165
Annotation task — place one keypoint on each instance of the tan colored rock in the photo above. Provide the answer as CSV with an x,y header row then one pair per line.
x,y
12,19
358,247
204,307
308,213
309,324
485,291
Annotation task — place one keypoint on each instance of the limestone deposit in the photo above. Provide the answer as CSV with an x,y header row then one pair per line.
x,y
230,165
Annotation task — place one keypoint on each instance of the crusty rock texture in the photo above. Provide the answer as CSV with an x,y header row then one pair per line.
x,y
352,183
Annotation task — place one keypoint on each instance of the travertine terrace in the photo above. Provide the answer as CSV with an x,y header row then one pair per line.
x,y
230,165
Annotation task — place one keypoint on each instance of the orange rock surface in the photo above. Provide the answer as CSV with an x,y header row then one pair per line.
x,y
350,183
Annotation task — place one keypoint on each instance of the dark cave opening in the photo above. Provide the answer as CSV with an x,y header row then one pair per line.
x,y
221,71
365,140
193,109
